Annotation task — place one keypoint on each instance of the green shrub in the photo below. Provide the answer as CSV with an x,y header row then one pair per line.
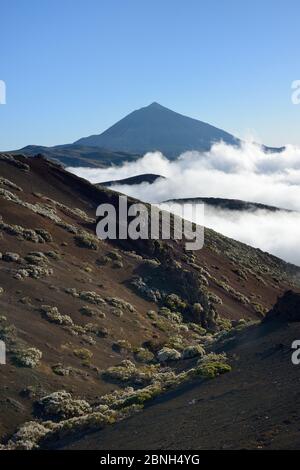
x,y
197,329
60,369
193,351
143,355
113,255
27,357
100,331
54,316
83,354
212,365
174,302
212,369
91,297
175,317
127,372
61,405
224,324
168,354
86,240
122,345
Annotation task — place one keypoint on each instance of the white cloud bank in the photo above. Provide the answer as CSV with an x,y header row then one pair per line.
x,y
247,172
275,232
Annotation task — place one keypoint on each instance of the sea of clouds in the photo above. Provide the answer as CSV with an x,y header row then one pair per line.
x,y
247,172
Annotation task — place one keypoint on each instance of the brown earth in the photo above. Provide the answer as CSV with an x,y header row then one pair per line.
x,y
259,277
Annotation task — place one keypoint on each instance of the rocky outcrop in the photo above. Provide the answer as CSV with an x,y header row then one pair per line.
x,y
286,309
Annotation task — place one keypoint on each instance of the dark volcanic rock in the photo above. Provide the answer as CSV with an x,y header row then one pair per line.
x,y
286,309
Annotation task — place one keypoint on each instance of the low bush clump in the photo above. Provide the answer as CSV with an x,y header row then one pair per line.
x,y
86,240
223,324
122,345
91,312
120,303
91,297
127,372
53,315
28,436
175,317
83,354
37,258
213,369
114,256
88,311
197,329
60,369
71,291
61,405
9,184
117,312
44,234
212,365
193,351
29,357
175,342
146,291
36,272
22,233
168,354
100,331
174,302
143,355
53,254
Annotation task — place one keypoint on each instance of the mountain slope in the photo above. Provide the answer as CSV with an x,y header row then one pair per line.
x,y
255,406
158,128
73,306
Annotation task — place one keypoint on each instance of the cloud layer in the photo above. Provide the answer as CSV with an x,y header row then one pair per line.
x,y
247,172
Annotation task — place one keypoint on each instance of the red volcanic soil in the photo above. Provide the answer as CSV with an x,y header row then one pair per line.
x,y
246,282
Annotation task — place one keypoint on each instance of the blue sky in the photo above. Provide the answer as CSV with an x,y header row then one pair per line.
x,y
72,67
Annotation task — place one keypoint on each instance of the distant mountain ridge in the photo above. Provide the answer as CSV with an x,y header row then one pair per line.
x,y
229,204
72,155
137,179
149,129
216,202
155,127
